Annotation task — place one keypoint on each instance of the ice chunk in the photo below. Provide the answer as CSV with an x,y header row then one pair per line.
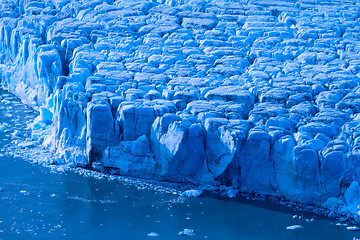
x,y
191,193
152,234
352,228
352,194
257,170
307,173
17,134
222,142
332,172
24,192
231,93
177,144
131,157
136,118
232,193
294,227
3,127
282,156
187,232
101,130
315,128
46,115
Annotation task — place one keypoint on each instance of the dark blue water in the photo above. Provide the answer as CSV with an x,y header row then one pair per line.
x,y
38,203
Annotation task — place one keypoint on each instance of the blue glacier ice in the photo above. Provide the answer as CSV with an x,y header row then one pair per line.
x,y
261,97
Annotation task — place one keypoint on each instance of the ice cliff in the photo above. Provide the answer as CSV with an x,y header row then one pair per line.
x,y
261,96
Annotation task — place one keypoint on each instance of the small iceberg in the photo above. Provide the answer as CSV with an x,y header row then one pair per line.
x,y
187,232
352,228
294,227
24,192
17,134
152,234
3,127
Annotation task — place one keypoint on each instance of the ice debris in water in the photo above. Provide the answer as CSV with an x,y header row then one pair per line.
x,y
187,232
352,228
191,193
294,227
24,192
3,127
341,224
152,234
232,193
26,144
17,134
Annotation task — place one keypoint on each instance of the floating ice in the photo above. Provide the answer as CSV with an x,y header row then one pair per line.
x,y
294,227
232,193
45,115
17,134
24,192
3,127
352,228
26,144
187,232
152,234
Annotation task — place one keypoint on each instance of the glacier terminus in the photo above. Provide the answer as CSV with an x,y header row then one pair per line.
x,y
260,96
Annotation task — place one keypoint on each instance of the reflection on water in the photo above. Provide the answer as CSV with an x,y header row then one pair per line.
x,y
36,203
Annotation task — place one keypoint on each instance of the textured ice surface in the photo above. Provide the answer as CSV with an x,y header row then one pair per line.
x,y
260,96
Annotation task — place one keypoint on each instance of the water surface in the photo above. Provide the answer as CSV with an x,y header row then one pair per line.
x,y
38,203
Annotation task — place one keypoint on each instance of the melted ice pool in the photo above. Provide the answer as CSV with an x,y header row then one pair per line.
x,y
37,203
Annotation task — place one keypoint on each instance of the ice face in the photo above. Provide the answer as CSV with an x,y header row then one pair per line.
x,y
262,97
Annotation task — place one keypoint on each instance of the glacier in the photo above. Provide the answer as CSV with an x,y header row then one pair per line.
x,y
256,95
